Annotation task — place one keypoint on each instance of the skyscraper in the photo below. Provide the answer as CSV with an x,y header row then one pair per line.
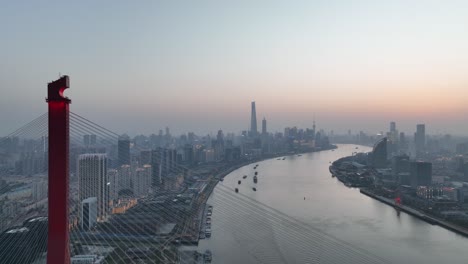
x,y
264,140
264,126
392,136
253,121
92,177
113,177
125,177
89,140
188,154
313,129
156,165
392,127
142,180
420,139
379,154
86,140
402,144
163,162
123,149
219,146
420,173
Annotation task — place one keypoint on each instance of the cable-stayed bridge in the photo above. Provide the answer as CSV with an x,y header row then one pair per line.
x,y
135,203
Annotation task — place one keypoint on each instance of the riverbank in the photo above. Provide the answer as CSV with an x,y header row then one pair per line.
x,y
430,219
287,154
353,174
243,234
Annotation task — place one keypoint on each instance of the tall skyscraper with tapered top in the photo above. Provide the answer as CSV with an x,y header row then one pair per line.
x,y
253,121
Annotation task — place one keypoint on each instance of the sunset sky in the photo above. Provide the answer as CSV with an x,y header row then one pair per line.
x,y
139,66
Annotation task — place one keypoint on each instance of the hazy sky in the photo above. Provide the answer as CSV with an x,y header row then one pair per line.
x,y
138,66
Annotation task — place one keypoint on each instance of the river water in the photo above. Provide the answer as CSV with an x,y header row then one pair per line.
x,y
300,214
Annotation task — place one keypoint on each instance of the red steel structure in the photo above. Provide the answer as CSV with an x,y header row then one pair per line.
x,y
58,238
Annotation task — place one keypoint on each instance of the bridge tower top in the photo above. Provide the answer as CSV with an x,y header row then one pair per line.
x,y
56,88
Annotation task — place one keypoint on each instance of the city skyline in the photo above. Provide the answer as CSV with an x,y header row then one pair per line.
x,y
120,185
408,128
354,65
234,132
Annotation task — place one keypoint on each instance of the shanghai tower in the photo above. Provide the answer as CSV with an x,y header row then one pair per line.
x,y
253,122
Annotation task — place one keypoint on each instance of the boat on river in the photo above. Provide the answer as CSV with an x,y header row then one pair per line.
x,y
207,256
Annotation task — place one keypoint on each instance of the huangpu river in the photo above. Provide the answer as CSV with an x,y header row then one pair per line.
x,y
300,214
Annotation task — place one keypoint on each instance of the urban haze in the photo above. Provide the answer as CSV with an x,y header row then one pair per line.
x,y
234,132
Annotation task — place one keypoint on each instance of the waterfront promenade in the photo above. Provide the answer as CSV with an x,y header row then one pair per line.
x,y
430,219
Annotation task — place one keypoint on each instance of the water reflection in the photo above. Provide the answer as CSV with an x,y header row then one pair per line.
x,y
333,221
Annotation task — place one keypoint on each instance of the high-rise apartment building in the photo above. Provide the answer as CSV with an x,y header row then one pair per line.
x,y
93,182
123,150
163,163
125,177
114,187
142,180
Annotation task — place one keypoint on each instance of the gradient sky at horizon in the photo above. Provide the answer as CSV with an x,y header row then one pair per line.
x,y
137,67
